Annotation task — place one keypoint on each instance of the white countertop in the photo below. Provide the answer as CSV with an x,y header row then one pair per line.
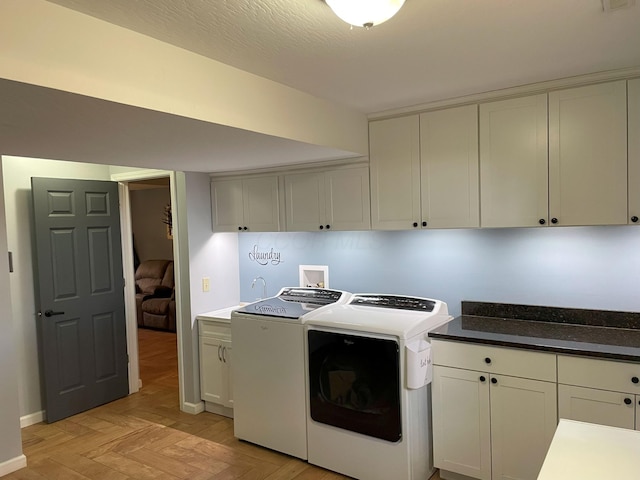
x,y
223,314
584,451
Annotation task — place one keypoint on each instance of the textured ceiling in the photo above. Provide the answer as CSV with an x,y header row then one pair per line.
x,y
431,50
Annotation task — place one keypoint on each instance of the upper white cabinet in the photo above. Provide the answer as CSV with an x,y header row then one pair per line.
x,y
424,170
633,92
588,155
334,199
394,156
513,162
449,168
246,204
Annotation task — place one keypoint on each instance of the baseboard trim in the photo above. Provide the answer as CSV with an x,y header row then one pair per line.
x,y
193,408
218,409
12,465
32,419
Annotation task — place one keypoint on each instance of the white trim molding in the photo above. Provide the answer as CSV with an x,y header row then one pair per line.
x,y
142,174
192,408
32,419
12,465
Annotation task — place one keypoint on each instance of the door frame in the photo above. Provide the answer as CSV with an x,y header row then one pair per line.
x,y
123,179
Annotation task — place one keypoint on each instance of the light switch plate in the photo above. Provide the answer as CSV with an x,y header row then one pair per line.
x,y
205,284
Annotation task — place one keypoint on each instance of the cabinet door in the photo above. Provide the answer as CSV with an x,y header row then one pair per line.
x,y
637,412
523,421
227,373
588,155
596,406
305,202
261,205
634,150
449,168
461,422
227,205
347,199
213,379
394,156
514,162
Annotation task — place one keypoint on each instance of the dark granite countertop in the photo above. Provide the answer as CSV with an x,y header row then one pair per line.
x,y
595,333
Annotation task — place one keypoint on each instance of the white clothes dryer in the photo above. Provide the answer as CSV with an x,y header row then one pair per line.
x,y
366,418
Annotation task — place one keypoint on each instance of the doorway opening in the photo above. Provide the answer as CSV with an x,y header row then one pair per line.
x,y
153,262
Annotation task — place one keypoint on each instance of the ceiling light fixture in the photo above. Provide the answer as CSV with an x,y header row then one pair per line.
x,y
365,13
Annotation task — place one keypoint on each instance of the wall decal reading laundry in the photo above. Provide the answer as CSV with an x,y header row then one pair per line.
x,y
265,257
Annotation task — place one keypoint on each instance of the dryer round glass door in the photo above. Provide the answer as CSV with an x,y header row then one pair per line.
x,y
354,383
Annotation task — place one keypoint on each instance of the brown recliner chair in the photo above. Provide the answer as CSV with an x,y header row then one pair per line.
x,y
155,298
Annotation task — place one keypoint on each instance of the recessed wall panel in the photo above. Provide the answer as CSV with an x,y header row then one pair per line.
x,y
100,256
104,339
61,203
63,246
69,360
97,203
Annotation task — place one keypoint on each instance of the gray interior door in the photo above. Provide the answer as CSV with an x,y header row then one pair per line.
x,y
81,324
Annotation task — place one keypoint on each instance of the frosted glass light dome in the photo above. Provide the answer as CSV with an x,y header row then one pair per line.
x,y
365,13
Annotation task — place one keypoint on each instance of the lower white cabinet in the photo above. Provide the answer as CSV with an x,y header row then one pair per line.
x,y
603,407
488,425
599,391
216,366
461,422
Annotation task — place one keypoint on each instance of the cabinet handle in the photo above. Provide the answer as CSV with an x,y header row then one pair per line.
x,y
487,360
328,227
240,228
634,219
424,224
482,378
627,401
245,228
415,224
219,354
494,380
224,357
554,220
321,227
635,380
542,221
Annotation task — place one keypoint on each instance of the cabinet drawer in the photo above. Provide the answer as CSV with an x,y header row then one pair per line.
x,y
596,373
596,406
505,361
212,328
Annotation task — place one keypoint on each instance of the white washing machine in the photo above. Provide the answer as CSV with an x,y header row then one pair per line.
x,y
366,417
269,395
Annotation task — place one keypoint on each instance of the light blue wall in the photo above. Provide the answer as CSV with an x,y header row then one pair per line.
x,y
581,267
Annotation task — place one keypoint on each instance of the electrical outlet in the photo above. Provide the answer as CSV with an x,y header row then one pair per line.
x,y
205,284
